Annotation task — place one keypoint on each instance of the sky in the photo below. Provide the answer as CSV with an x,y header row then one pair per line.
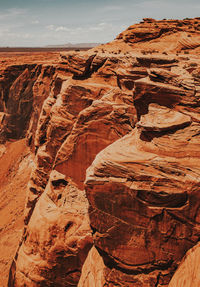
x,y
33,23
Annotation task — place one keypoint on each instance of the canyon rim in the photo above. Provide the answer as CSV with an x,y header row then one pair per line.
x,y
102,149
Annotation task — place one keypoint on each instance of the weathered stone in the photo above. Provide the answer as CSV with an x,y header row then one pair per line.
x,y
188,273
132,121
57,238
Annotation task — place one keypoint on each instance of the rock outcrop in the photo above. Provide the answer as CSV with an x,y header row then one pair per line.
x,y
57,238
82,115
188,273
143,191
113,197
163,36
16,164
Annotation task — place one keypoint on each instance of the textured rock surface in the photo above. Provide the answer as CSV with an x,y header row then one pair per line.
x,y
143,190
19,74
57,239
94,270
82,115
188,273
123,118
163,36
139,197
16,164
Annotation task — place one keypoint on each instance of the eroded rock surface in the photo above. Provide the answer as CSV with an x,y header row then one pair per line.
x,y
188,273
113,197
57,238
82,115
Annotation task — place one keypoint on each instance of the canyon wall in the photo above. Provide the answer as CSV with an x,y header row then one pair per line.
x,y
113,195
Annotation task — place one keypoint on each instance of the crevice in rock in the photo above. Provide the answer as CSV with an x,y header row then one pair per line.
x,y
163,199
59,182
94,230
148,136
113,263
158,279
185,221
87,73
68,226
95,68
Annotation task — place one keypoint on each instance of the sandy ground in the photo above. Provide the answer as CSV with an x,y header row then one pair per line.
x,y
15,168
18,56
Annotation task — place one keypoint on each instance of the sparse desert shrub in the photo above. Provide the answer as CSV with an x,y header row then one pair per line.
x,y
179,24
193,64
143,52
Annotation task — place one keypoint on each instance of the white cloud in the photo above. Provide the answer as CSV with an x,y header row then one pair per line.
x,y
62,29
13,12
94,33
19,35
103,26
50,27
96,28
35,22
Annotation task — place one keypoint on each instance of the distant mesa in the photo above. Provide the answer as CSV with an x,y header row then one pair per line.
x,y
78,45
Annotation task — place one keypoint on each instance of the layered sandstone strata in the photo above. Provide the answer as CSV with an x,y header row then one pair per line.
x,y
113,194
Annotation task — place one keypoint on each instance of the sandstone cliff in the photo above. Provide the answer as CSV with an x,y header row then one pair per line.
x,y
113,195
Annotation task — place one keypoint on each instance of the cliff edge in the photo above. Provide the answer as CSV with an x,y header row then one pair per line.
x,y
113,136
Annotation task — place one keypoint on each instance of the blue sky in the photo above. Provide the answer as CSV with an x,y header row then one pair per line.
x,y
50,22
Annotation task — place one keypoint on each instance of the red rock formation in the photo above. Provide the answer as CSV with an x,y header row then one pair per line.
x,y
78,115
188,273
132,121
57,238
163,36
143,213
16,164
